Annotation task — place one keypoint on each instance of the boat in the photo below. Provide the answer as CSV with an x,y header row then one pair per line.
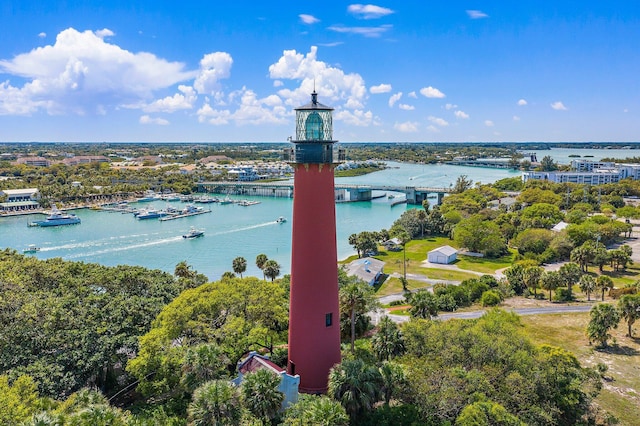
x,y
281,219
391,196
193,233
148,196
151,214
32,248
57,218
205,199
226,200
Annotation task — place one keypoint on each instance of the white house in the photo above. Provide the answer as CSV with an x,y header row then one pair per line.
x,y
367,269
443,255
19,199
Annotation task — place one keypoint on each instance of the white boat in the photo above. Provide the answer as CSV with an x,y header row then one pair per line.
x,y
151,214
57,218
32,248
193,233
281,219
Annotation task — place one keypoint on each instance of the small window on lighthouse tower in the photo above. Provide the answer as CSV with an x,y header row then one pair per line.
x,y
328,319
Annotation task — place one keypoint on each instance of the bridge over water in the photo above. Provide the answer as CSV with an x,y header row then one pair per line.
x,y
414,194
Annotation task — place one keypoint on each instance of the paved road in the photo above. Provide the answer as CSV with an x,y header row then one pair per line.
x,y
478,314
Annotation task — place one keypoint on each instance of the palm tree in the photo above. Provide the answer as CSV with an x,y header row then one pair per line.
x,y
531,277
629,307
388,341
261,259
587,285
239,265
582,255
317,411
215,403
570,274
604,317
355,385
271,269
183,270
603,282
355,297
202,364
260,394
550,280
423,304
392,377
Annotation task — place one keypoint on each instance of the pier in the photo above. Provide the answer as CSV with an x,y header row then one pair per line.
x,y
413,194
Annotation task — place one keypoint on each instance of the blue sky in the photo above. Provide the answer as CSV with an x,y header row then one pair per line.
x,y
394,71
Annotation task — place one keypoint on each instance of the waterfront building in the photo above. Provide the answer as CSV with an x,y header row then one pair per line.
x,y
19,199
314,317
589,173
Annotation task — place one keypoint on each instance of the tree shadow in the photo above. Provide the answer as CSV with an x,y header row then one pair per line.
x,y
619,350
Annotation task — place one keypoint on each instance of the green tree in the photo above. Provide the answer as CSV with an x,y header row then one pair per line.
x,y
462,184
424,304
315,410
239,265
570,274
216,402
603,318
550,280
271,269
393,379
183,270
479,235
604,282
629,307
547,164
587,285
355,385
388,341
261,259
531,277
487,413
355,298
260,394
582,256
18,400
203,363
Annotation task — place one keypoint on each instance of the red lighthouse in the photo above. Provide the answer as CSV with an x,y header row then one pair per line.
x,y
314,318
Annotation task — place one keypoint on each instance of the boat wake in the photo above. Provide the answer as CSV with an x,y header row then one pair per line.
x,y
129,247
246,228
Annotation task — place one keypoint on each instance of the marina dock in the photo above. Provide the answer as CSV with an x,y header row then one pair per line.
x,y
181,215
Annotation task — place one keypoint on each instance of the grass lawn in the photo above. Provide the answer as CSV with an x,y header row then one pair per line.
x,y
487,266
394,285
619,396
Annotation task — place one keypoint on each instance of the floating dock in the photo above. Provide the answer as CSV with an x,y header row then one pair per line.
x,y
181,215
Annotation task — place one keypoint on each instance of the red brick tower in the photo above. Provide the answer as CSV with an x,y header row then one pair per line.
x,y
314,317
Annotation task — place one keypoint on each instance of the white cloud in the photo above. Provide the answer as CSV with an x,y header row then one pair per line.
x,y
183,100
406,127
277,83
406,107
488,123
356,117
145,119
461,114
476,14
394,98
332,84
334,44
249,110
438,121
42,35
371,32
522,102
412,95
105,32
368,11
381,88
213,67
558,106
433,129
431,92
516,118
308,19
81,73
450,106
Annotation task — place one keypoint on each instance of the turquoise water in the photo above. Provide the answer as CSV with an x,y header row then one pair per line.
x,y
561,155
230,230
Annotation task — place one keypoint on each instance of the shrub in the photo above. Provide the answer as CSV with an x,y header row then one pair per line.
x,y
562,295
490,298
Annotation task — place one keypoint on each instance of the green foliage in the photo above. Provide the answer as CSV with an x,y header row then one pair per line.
x,y
480,236
509,184
315,410
487,414
388,342
453,364
629,307
356,299
424,304
215,403
235,314
68,324
533,240
603,318
490,298
260,394
540,215
355,385
18,400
